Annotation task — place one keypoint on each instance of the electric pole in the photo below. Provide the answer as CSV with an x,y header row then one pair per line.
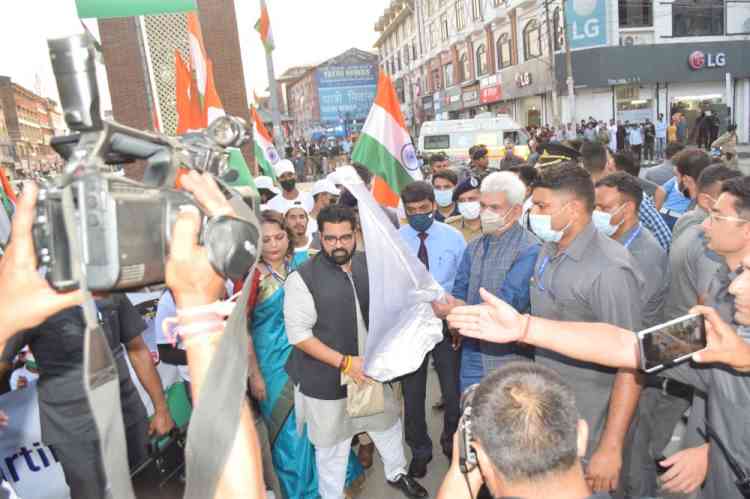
x,y
569,67
551,48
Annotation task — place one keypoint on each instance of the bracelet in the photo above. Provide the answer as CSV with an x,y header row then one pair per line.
x,y
342,364
220,308
348,364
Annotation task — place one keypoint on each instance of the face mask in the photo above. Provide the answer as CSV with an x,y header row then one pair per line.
x,y
444,198
492,222
603,222
541,225
469,210
420,222
288,185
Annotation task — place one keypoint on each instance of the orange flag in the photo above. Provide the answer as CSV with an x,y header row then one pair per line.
x,y
189,112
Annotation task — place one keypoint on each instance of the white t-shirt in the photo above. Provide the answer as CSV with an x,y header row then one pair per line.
x,y
281,204
19,373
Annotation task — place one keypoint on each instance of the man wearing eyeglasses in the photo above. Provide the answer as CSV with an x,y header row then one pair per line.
x,y
326,313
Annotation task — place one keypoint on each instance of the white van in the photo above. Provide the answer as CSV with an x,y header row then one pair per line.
x,y
455,137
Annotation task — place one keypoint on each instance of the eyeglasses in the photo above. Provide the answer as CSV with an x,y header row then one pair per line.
x,y
345,239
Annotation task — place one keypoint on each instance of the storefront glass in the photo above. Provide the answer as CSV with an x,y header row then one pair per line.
x,y
692,107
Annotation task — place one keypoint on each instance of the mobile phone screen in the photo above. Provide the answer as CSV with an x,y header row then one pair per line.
x,y
673,341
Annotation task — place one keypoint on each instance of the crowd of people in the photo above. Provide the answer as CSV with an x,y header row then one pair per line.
x,y
549,264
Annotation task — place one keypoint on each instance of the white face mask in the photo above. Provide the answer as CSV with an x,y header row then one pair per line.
x,y
469,210
444,198
541,225
492,222
603,222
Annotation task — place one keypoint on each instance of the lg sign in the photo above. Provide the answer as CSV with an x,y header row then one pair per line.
x,y
699,60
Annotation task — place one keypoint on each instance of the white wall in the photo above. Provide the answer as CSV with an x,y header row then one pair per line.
x,y
589,103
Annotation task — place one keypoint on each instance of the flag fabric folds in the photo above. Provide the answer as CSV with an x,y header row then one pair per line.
x,y
263,26
265,152
189,113
402,328
385,146
211,106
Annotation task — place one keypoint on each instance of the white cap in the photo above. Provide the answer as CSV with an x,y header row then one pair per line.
x,y
291,205
333,178
282,167
325,185
265,183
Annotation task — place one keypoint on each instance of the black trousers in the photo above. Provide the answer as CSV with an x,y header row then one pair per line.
x,y
414,386
636,150
82,463
648,151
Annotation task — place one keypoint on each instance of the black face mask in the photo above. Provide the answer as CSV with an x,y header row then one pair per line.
x,y
347,199
288,185
340,256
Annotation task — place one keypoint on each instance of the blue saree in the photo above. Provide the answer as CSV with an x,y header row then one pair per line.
x,y
293,454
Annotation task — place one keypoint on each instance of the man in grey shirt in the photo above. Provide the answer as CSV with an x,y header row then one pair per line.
x,y
581,275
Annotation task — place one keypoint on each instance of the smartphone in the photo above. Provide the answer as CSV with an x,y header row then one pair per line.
x,y
671,342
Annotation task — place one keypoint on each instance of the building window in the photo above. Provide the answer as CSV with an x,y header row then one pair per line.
x,y
558,27
436,79
460,15
481,60
464,70
448,75
503,51
444,27
636,13
476,9
532,40
414,51
698,18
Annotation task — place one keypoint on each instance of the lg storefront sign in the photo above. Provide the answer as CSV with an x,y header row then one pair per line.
x,y
705,60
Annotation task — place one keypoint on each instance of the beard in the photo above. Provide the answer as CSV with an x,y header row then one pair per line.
x,y
340,256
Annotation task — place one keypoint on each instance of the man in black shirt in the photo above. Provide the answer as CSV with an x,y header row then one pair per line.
x,y
65,417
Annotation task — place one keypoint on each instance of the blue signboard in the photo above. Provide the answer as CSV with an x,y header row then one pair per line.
x,y
346,91
587,23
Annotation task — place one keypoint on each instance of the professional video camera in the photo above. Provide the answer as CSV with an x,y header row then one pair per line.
x,y
122,227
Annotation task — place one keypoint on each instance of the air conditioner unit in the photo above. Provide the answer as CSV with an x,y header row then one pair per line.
x,y
630,39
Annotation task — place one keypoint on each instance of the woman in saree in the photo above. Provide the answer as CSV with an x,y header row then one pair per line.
x,y
293,454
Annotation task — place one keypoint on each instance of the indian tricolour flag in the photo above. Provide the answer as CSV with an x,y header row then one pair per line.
x,y
385,146
265,152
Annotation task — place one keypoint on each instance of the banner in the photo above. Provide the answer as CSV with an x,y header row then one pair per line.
x,y
346,91
28,465
587,23
128,8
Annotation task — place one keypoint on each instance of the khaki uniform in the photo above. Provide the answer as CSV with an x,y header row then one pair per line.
x,y
457,223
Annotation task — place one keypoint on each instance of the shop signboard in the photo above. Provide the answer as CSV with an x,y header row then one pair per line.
x,y
427,103
588,23
437,100
490,94
346,90
452,99
471,96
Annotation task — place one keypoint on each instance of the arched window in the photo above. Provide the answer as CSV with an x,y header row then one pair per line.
x,y
503,51
464,70
481,60
532,40
558,29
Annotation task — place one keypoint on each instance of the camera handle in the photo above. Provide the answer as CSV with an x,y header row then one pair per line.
x,y
100,376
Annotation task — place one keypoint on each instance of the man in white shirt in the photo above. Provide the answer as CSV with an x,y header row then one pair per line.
x,y
612,130
290,195
661,136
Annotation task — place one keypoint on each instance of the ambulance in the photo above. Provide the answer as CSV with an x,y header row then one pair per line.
x,y
455,137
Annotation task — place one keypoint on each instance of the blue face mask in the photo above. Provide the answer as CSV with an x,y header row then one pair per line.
x,y
444,198
421,221
603,222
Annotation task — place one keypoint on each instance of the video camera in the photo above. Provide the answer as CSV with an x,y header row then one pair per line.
x,y
123,227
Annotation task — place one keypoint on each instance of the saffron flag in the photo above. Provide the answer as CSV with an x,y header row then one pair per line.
x,y
189,113
403,327
263,26
385,146
265,152
211,104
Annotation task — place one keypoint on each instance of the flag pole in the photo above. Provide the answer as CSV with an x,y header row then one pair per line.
x,y
278,135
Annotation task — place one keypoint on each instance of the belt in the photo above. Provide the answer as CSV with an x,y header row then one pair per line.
x,y
671,213
670,387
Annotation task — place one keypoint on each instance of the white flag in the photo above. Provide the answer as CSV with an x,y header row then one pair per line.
x,y
403,328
